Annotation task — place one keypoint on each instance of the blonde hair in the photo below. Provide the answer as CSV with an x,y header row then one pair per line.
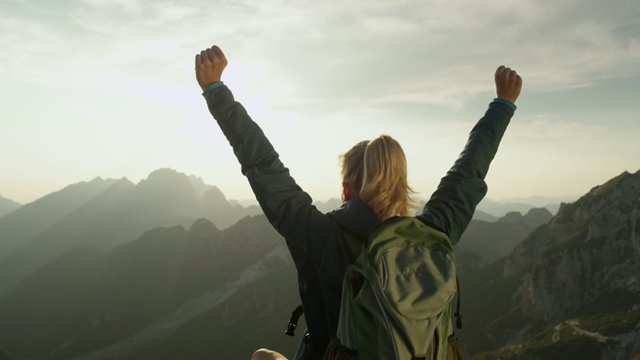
x,y
352,166
385,188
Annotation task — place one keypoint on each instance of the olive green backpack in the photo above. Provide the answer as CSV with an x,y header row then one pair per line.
x,y
397,295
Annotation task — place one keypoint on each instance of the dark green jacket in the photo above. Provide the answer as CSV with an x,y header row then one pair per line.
x,y
315,240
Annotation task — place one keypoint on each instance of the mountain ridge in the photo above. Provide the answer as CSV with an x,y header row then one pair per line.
x,y
485,242
8,205
31,219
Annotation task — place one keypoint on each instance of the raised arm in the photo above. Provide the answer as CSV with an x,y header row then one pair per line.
x,y
452,205
287,207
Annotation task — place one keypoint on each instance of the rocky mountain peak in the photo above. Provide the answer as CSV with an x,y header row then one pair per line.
x,y
166,176
591,247
510,217
538,216
203,226
199,185
534,217
618,190
168,184
214,196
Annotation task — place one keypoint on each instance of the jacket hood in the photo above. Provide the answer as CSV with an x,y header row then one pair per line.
x,y
356,217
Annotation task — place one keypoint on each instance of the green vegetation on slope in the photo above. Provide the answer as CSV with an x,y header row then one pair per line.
x,y
485,296
591,332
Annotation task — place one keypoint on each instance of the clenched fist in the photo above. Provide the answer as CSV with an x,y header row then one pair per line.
x,y
508,83
209,66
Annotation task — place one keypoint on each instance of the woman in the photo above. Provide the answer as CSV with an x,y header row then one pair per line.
x,y
316,241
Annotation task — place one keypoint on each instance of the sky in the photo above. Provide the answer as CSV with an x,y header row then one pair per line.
x,y
106,88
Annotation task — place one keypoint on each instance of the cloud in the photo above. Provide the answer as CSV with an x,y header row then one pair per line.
x,y
378,52
554,128
441,52
340,70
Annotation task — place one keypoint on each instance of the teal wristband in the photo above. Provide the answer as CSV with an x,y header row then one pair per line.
x,y
211,87
506,102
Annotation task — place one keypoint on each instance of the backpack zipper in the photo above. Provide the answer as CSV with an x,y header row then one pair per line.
x,y
385,268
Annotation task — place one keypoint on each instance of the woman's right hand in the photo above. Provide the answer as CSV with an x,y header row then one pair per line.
x,y
209,66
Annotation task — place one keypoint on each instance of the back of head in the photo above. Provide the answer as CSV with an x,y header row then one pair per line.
x,y
352,164
385,188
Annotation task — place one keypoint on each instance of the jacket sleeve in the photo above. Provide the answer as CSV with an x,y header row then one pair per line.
x,y
452,205
287,207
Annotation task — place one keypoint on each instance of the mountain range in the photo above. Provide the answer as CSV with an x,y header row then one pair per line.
x,y
90,303
522,205
533,285
105,213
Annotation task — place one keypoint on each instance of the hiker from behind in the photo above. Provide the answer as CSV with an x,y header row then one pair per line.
x,y
324,245
352,168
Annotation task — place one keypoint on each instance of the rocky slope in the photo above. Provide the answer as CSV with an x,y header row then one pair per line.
x,y
590,248
571,289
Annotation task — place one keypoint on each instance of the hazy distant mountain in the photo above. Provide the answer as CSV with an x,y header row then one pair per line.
x,y
485,242
20,226
7,206
105,217
570,290
323,206
199,186
329,205
490,211
521,205
244,202
225,214
112,303
483,216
